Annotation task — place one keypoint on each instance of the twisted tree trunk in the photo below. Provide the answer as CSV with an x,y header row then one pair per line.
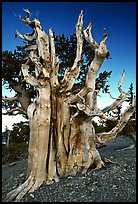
x,y
62,136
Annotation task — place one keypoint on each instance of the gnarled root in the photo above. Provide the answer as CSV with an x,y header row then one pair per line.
x,y
29,185
17,194
98,162
126,148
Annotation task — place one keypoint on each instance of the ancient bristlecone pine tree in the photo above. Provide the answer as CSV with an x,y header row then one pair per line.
x,y
62,136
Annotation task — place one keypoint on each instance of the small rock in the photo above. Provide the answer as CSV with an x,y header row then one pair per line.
x,y
70,177
125,165
12,164
49,182
21,175
31,195
95,182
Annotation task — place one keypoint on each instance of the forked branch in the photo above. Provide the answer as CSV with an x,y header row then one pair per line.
x,y
120,99
92,112
101,53
89,38
107,136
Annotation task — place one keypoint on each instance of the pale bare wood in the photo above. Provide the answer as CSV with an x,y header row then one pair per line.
x,y
62,136
101,53
71,74
54,62
89,38
125,116
120,99
29,78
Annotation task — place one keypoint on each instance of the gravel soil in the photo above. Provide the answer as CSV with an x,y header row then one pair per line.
x,y
116,182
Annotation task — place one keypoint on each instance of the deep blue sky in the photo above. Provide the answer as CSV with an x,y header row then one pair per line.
x,y
119,19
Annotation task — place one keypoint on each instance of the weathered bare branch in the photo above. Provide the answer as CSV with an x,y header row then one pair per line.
x,y
28,37
42,42
29,79
27,18
120,82
89,38
101,53
115,104
27,21
120,99
72,74
111,96
62,138
54,61
38,34
79,40
75,98
107,136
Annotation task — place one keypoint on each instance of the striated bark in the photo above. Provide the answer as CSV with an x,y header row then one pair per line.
x,y
62,136
83,153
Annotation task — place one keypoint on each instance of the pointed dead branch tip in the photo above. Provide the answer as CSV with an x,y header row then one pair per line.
x,y
80,20
81,14
27,11
88,29
124,72
50,29
50,32
105,36
90,26
89,38
19,34
27,16
26,19
104,30
120,81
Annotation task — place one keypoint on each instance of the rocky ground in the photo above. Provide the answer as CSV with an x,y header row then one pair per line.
x,y
114,183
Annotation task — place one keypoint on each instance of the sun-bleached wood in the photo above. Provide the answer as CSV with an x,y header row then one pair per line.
x,y
62,135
